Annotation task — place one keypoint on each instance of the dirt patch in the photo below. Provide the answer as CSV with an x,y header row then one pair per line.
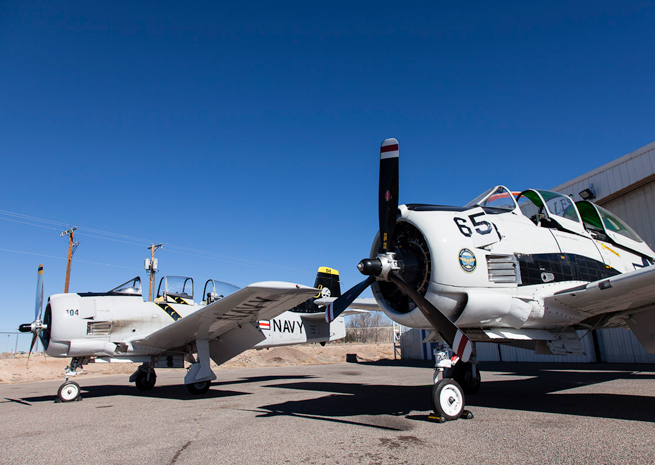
x,y
14,368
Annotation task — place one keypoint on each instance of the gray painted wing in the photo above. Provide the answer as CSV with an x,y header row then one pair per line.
x,y
259,301
632,291
631,294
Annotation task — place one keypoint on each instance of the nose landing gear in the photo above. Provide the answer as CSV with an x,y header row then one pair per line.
x,y
452,379
70,390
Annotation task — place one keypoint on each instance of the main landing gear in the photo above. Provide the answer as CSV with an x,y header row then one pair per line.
x,y
198,388
452,379
144,378
70,390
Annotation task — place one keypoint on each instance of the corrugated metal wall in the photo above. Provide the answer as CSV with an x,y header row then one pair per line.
x,y
625,187
637,208
616,346
619,345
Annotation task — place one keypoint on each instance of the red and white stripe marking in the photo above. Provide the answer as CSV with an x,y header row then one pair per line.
x,y
389,149
462,346
264,325
329,314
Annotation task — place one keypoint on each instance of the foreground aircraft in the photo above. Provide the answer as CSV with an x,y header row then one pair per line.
x,y
118,326
525,269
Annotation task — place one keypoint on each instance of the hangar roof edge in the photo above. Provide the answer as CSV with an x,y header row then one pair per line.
x,y
607,166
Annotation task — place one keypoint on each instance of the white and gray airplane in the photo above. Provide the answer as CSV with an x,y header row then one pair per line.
x,y
525,269
118,326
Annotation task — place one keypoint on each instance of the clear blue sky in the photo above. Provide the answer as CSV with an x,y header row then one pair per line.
x,y
250,131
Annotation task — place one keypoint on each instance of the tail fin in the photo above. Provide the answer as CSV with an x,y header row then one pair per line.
x,y
327,280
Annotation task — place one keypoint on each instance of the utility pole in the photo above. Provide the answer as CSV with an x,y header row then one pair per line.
x,y
72,247
151,266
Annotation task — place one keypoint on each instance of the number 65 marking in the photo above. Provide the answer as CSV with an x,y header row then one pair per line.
x,y
466,231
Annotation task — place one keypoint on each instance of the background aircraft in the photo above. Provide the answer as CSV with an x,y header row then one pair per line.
x,y
118,326
526,271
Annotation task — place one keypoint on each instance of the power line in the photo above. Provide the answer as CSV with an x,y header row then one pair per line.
x,y
131,240
65,258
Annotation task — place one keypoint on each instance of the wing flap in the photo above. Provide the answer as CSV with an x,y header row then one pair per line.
x,y
259,301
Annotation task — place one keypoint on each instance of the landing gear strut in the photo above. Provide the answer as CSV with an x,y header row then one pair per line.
x,y
70,390
453,378
467,375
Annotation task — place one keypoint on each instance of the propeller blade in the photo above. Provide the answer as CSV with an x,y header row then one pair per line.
x,y
388,191
454,336
31,347
39,294
343,302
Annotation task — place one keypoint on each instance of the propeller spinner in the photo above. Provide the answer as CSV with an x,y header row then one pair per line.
x,y
386,267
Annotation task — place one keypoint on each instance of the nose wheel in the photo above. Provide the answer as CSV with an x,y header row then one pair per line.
x,y
448,399
68,392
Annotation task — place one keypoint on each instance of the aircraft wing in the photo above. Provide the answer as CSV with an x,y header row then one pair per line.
x,y
632,294
629,291
259,301
365,303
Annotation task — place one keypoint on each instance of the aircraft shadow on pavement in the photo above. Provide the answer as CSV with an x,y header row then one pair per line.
x,y
175,391
178,392
353,400
261,379
544,390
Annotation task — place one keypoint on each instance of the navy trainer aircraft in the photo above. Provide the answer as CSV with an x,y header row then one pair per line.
x,y
118,326
525,269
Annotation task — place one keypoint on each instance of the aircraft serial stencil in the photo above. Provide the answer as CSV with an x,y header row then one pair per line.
x,y
526,269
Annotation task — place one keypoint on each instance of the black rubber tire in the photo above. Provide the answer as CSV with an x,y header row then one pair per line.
x,y
142,383
198,388
69,391
448,399
462,372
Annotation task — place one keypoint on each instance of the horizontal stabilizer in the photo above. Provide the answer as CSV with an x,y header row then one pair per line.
x,y
321,315
367,303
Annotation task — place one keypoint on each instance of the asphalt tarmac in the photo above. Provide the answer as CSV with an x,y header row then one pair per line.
x,y
352,413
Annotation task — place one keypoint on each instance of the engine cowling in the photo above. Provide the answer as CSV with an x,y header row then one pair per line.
x,y
413,253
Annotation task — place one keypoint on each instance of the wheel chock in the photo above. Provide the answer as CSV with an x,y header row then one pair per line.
x,y
436,418
466,415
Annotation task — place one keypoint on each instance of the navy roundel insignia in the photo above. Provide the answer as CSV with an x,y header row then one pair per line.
x,y
467,260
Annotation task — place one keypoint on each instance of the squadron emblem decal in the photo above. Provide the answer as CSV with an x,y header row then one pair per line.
x,y
467,260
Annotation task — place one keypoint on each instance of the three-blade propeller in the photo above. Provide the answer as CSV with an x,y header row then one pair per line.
x,y
37,326
385,267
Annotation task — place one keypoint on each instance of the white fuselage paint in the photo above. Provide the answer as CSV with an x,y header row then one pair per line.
x,y
491,304
103,326
295,328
